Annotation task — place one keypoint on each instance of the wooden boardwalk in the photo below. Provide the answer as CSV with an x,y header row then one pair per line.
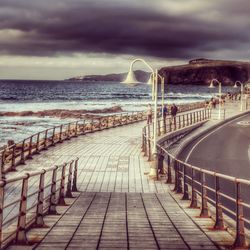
x,y
125,221
109,161
119,206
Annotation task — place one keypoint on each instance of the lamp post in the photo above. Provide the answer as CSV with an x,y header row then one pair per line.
x,y
162,91
130,79
241,93
212,86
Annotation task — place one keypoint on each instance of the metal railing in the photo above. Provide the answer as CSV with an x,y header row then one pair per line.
x,y
25,199
212,192
18,153
171,124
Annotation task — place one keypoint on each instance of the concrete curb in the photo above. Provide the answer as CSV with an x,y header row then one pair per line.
x,y
186,143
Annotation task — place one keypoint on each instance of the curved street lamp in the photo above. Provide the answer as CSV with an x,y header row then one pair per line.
x,y
241,93
212,86
130,79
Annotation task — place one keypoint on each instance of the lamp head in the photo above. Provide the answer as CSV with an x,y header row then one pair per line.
x,y
235,85
130,79
151,80
211,86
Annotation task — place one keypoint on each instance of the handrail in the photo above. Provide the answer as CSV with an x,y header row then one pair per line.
x,y
19,152
34,202
192,182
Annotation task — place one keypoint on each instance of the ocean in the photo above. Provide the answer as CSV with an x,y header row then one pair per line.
x,y
22,95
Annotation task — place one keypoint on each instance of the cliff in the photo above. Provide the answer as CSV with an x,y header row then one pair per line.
x,y
202,71
198,71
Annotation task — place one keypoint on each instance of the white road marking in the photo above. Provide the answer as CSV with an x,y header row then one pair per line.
x,y
203,138
249,153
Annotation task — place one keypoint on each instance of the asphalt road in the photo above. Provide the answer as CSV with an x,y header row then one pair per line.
x,y
225,150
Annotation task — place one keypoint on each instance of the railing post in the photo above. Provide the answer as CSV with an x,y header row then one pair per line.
x,y
219,224
149,150
159,127
21,224
37,143
53,137
179,184
39,209
52,202
2,165
68,132
68,191
100,124
183,121
170,124
83,127
74,186
191,118
179,120
92,125
30,148
45,146
61,200
60,134
164,125
204,207
160,163
22,160
175,175
76,129
169,174
240,240
194,201
13,158
187,119
143,144
185,184
2,193
149,153
107,122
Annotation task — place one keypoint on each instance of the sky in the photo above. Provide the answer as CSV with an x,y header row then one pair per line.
x,y
58,39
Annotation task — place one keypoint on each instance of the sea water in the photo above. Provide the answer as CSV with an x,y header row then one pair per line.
x,y
22,95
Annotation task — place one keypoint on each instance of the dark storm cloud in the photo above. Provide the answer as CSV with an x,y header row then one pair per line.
x,y
122,27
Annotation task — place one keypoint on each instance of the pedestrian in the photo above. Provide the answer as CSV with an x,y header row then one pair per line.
x,y
173,111
214,103
164,111
149,114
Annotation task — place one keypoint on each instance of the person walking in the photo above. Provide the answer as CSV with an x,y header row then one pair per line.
x,y
173,112
149,114
164,111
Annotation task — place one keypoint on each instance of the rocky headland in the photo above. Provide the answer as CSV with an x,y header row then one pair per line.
x,y
198,71
141,76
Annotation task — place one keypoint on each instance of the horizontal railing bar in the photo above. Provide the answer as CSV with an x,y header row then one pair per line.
x,y
32,194
12,203
227,197
228,210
